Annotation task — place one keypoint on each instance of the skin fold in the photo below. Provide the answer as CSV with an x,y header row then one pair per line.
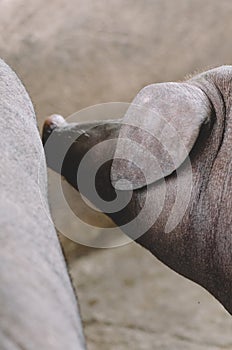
x,y
199,247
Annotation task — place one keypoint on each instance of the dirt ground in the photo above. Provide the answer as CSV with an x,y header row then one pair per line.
x,y
73,54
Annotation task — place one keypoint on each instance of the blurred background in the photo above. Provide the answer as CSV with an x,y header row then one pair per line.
x,y
73,54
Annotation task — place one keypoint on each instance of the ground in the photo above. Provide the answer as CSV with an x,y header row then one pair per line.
x,y
73,54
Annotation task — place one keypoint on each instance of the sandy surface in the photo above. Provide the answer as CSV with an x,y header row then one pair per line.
x,y
131,301
73,54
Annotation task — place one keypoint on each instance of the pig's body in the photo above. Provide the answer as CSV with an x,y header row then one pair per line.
x,y
38,308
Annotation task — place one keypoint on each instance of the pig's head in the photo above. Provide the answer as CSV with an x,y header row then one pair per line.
x,y
168,129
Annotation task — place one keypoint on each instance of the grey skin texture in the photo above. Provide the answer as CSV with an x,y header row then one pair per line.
x,y
200,246
38,307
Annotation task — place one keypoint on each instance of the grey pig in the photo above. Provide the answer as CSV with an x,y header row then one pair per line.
x,y
38,306
199,247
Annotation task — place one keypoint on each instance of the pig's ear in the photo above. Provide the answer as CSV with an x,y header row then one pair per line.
x,y
157,133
